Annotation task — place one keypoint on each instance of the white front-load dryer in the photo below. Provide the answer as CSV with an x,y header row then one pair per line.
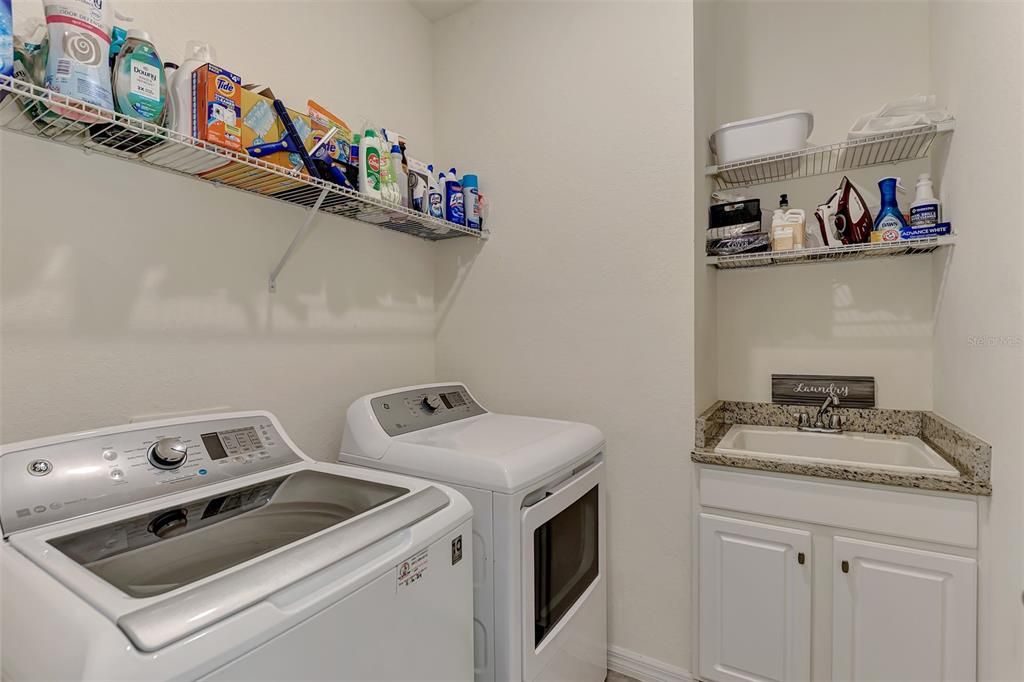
x,y
211,548
537,490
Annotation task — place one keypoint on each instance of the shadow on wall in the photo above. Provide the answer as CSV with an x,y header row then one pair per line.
x,y
162,255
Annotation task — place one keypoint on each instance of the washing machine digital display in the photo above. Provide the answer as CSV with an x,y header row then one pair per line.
x,y
453,399
221,444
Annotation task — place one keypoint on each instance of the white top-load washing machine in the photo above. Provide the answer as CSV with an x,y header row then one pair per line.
x,y
211,548
537,489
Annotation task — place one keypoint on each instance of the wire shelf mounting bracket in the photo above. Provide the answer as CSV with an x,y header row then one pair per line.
x,y
307,224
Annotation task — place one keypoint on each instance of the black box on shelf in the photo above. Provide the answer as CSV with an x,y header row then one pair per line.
x,y
734,213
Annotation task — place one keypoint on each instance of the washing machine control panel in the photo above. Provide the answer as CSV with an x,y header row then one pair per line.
x,y
91,473
408,411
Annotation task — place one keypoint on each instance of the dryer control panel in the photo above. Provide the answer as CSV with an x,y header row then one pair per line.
x,y
94,472
408,411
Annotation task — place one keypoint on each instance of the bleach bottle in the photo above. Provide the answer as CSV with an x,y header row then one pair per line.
x,y
889,216
454,202
369,164
435,200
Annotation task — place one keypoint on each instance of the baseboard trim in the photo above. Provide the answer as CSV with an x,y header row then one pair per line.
x,y
644,668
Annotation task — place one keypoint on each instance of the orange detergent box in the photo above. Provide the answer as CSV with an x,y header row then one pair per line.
x,y
258,124
217,107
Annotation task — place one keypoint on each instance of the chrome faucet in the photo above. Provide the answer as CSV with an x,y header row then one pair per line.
x,y
825,421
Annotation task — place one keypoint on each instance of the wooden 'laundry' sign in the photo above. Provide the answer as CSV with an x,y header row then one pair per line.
x,y
811,389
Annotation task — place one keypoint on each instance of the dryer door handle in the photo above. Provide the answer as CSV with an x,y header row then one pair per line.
x,y
154,627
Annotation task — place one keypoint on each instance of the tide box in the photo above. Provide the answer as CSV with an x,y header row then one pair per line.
x,y
217,107
258,124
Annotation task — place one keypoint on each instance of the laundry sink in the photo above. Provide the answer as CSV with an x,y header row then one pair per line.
x,y
898,454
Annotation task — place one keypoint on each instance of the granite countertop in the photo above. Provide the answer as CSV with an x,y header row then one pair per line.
x,y
971,456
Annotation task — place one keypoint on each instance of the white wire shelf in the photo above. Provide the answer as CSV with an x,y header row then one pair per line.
x,y
909,247
886,148
36,112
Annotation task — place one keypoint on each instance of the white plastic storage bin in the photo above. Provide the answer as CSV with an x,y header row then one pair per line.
x,y
774,134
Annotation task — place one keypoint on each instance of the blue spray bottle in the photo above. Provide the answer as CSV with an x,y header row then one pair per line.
x,y
889,216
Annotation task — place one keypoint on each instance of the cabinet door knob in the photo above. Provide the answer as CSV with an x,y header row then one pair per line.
x,y
800,558
845,566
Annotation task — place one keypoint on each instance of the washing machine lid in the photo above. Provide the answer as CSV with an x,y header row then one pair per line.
x,y
160,579
499,452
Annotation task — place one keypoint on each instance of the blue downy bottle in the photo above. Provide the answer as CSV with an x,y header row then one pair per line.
x,y
889,216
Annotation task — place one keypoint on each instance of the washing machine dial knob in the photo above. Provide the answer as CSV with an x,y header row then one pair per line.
x,y
432,403
168,453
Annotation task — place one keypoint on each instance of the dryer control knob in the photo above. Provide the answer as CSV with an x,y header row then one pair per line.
x,y
432,402
168,453
169,523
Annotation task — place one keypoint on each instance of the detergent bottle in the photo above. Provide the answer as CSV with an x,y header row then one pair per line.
x,y
140,85
179,86
889,220
369,164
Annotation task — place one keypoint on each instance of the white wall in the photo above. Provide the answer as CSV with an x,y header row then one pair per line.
x,y
979,335
854,318
578,117
705,279
127,291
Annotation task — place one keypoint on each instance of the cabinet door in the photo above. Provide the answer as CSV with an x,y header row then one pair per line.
x,y
755,601
902,614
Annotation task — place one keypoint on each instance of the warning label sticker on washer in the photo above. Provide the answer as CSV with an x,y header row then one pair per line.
x,y
412,569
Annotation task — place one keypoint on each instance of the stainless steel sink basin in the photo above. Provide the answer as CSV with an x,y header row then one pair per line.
x,y
899,454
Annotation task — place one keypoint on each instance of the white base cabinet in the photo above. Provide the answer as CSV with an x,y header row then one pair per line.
x,y
755,617
902,614
791,600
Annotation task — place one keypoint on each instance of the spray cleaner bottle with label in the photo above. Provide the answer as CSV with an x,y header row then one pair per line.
x,y
889,220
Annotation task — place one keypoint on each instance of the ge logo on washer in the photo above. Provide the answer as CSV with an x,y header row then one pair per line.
x,y
40,467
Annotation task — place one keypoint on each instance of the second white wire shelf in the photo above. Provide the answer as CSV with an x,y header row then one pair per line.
x,y
886,148
907,247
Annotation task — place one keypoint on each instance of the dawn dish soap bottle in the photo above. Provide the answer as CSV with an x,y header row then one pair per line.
x,y
889,220
140,83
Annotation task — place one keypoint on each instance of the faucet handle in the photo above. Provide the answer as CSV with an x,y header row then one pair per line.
x,y
835,422
803,420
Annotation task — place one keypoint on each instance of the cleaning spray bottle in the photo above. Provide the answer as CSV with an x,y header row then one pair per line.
x,y
179,86
889,220
926,209
435,200
140,84
454,202
400,175
369,164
